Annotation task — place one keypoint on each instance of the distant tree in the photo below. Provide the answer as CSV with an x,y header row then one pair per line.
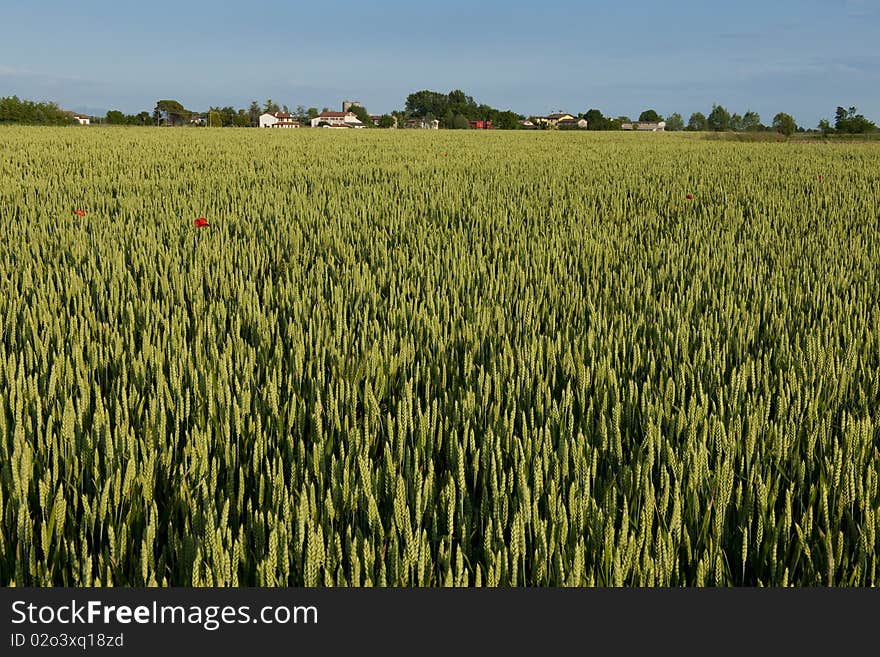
x,y
736,123
675,123
507,120
271,106
784,124
718,119
171,111
650,116
15,110
301,114
460,122
115,117
242,119
215,120
143,118
595,120
825,127
386,121
362,114
458,101
312,113
850,122
751,121
400,117
697,122
422,102
254,113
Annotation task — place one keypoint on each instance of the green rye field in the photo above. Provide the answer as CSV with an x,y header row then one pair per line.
x,y
437,358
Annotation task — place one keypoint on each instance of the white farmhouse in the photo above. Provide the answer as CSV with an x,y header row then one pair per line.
x,y
337,120
278,120
82,119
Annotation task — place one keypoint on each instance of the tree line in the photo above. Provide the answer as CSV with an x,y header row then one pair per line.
x,y
453,110
28,112
719,119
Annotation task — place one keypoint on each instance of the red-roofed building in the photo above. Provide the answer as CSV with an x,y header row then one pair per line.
x,y
278,120
337,120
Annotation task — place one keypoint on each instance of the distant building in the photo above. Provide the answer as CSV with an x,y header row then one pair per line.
x,y
644,126
82,119
348,104
377,119
278,120
552,119
419,123
336,120
481,125
525,124
572,124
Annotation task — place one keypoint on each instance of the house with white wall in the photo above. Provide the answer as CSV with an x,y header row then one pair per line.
x,y
337,120
278,120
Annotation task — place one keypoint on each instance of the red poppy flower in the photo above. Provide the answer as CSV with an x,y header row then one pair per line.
x,y
820,177
201,222
79,213
690,197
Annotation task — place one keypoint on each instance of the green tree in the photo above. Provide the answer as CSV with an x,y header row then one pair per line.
x,y
422,102
15,110
170,112
460,122
115,117
751,121
825,127
386,121
718,119
242,119
214,120
784,124
254,112
650,116
459,101
301,114
507,120
851,122
595,120
312,113
363,115
736,123
675,123
697,122
271,106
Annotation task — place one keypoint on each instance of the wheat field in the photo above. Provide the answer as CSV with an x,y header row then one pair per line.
x,y
406,358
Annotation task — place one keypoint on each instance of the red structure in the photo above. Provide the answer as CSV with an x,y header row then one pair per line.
x,y
481,125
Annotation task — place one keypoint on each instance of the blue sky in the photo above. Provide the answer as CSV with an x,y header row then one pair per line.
x,y
804,57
